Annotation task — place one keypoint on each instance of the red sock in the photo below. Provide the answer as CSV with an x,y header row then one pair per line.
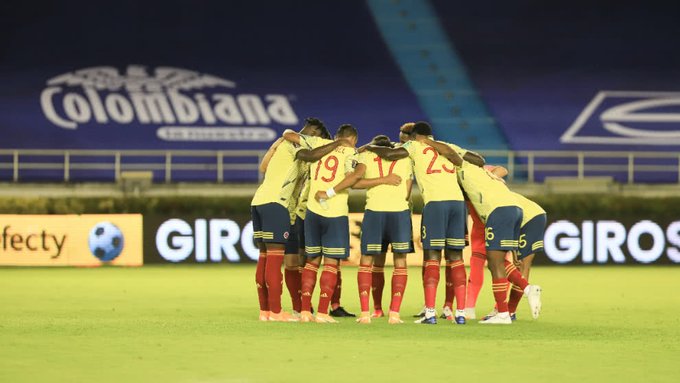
x,y
364,281
515,296
500,294
476,280
377,286
335,299
308,283
399,278
514,276
327,283
431,280
448,299
293,283
458,278
274,279
260,282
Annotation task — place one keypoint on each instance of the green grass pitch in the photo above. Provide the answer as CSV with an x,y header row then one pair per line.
x,y
199,324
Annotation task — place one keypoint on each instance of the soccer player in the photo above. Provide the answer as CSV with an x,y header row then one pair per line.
x,y
478,249
498,208
271,220
530,242
378,269
327,224
387,220
444,217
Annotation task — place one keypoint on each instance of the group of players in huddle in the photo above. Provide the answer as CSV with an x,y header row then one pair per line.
x,y
300,217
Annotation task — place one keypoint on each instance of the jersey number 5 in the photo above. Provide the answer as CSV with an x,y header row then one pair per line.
x,y
434,158
327,164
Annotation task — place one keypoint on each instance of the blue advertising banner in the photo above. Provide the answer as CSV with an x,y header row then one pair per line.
x,y
215,75
565,75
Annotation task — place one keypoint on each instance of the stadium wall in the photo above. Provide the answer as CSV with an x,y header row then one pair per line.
x,y
582,230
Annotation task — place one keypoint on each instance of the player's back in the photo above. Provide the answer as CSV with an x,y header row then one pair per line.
x,y
329,171
436,176
386,197
484,190
276,175
530,209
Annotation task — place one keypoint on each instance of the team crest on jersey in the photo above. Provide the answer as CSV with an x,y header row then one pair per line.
x,y
286,235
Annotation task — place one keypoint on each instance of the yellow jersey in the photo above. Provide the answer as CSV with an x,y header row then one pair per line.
x,y
435,174
484,190
282,172
530,209
301,205
326,173
386,197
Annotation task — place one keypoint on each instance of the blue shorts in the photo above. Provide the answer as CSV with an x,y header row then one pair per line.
x,y
380,228
327,236
271,223
444,225
531,236
502,228
296,239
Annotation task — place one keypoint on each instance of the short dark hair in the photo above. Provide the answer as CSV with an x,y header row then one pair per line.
x,y
382,140
346,130
323,131
422,128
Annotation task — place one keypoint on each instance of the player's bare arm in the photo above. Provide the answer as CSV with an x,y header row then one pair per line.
x,y
391,154
269,154
474,158
367,183
316,154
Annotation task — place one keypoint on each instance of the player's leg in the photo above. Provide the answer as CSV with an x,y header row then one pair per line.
x,y
260,282
530,243
335,247
291,272
378,283
518,284
501,233
398,230
399,279
364,284
312,230
372,247
455,243
477,264
275,233
433,235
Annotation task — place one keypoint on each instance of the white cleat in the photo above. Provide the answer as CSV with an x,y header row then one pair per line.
x,y
493,313
533,294
470,313
447,313
500,318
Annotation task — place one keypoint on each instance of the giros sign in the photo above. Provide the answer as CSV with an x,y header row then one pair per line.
x,y
200,240
71,240
607,241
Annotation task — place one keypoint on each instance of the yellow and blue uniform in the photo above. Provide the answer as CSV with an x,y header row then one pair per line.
x,y
444,216
532,228
269,207
327,227
387,218
495,204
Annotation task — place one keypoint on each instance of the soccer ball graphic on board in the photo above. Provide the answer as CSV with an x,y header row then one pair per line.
x,y
105,241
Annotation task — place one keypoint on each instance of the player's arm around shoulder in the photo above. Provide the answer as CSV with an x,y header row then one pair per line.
x,y
391,154
442,148
312,155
